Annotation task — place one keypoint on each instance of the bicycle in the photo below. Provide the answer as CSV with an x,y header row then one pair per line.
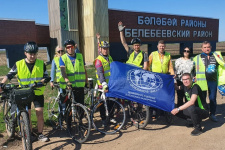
x,y
107,114
15,110
137,113
75,115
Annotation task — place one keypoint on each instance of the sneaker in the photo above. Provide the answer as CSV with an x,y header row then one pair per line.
x,y
43,138
213,118
196,132
113,121
104,124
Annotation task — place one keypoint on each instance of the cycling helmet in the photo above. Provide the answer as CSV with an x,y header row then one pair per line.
x,y
221,89
135,41
104,44
69,42
31,47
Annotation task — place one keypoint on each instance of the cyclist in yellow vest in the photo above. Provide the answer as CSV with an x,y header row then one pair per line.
x,y
56,73
102,69
196,107
136,57
210,68
160,61
73,71
30,70
55,69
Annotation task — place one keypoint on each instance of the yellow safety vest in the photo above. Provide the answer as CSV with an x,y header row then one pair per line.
x,y
188,97
137,61
106,67
25,77
157,65
58,70
76,74
200,70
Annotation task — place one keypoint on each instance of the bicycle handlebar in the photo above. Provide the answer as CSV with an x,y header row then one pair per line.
x,y
6,87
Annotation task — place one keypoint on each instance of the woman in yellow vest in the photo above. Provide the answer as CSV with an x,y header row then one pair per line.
x,y
30,70
56,73
55,69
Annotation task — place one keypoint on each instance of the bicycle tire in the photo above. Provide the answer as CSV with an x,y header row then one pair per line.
x,y
9,124
139,114
53,112
25,131
117,112
79,123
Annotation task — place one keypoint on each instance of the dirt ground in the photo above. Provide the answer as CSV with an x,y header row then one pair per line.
x,y
158,135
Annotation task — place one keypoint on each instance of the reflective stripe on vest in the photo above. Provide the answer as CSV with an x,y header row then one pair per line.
x,y
221,67
76,74
106,68
137,61
58,70
200,73
25,77
157,65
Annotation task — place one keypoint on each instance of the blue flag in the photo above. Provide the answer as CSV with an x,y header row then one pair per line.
x,y
145,87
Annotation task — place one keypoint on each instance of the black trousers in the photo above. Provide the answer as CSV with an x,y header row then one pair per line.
x,y
196,114
78,94
180,95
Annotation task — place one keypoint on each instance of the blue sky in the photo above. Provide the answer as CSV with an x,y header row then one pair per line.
x,y
37,10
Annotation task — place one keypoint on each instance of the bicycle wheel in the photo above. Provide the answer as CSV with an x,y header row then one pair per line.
x,y
25,131
53,112
9,124
139,114
111,122
78,123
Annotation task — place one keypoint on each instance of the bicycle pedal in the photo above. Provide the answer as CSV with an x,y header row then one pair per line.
x,y
142,122
117,126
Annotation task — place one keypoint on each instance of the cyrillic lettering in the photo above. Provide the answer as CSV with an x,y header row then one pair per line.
x,y
127,32
140,20
158,21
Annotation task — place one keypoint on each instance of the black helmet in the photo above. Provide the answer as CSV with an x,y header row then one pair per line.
x,y
69,42
31,47
104,44
135,41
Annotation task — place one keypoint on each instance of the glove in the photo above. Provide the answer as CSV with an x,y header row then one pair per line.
x,y
120,27
104,86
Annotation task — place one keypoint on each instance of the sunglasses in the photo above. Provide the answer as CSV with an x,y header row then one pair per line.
x,y
60,51
69,47
187,51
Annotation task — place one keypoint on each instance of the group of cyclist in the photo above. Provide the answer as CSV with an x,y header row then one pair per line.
x,y
69,68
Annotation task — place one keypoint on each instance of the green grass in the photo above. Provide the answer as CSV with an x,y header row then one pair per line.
x,y
2,125
4,70
48,94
